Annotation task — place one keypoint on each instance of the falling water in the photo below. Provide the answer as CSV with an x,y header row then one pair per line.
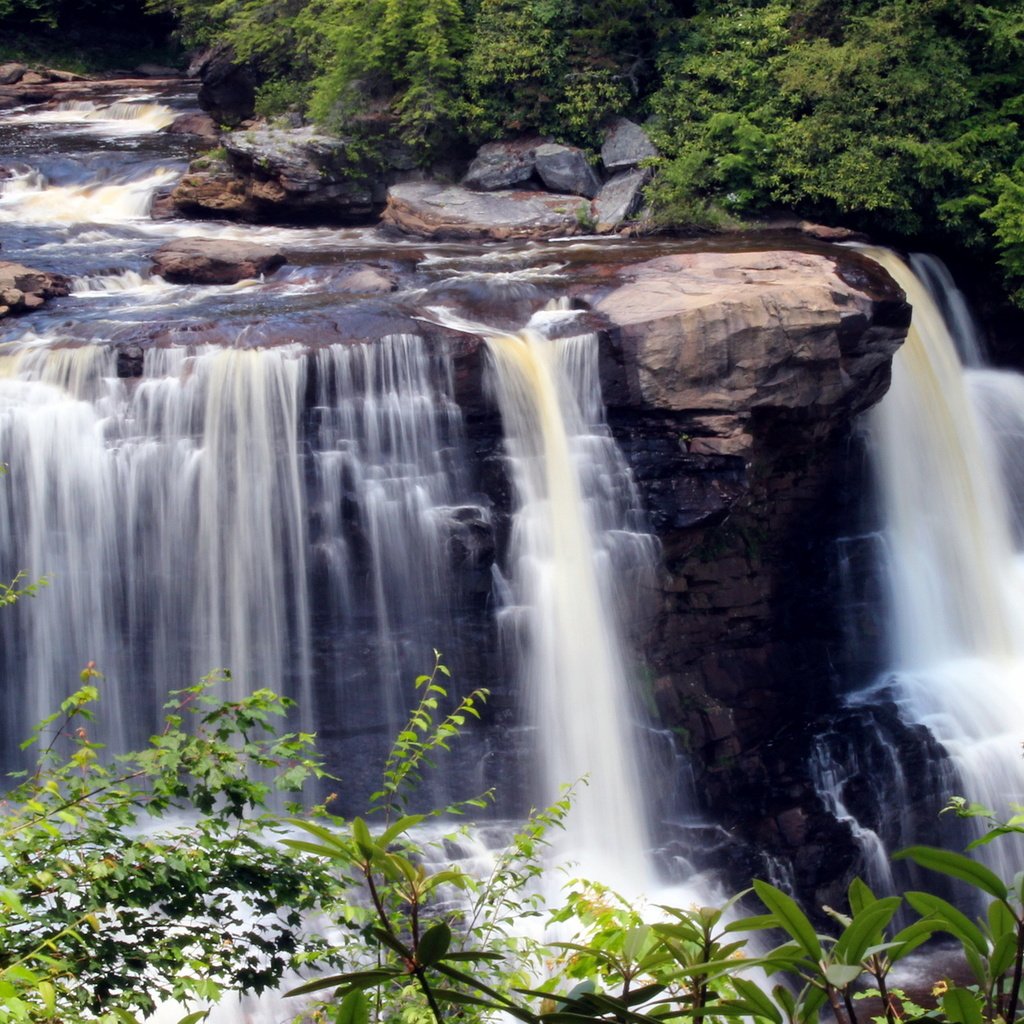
x,y
956,583
182,515
578,559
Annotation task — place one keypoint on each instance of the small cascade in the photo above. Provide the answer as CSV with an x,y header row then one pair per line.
x,y
963,328
957,646
32,199
574,536
391,508
130,116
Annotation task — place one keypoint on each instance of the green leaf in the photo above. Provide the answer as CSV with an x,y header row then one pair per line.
x,y
363,839
433,944
314,848
447,995
948,918
1000,920
865,929
956,865
470,956
859,896
790,918
962,1007
354,1009
841,975
906,940
195,1018
755,1001
350,980
1002,956
634,941
390,834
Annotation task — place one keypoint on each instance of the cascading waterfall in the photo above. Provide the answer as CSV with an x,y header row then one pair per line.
x,y
178,516
575,534
303,513
173,549
33,199
956,582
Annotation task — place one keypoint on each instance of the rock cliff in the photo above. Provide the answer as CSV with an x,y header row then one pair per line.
x,y
733,382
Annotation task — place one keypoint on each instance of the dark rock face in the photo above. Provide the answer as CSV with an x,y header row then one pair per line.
x,y
500,165
23,289
227,90
213,261
565,169
625,145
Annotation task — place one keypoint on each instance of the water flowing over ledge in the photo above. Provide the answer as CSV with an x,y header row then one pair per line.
x,y
298,477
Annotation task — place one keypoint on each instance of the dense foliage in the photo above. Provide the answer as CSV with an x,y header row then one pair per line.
x,y
152,875
900,117
895,116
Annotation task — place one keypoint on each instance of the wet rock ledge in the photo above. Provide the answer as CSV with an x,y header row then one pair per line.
x,y
23,290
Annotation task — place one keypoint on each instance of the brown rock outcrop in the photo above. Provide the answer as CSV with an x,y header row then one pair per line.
x,y
280,174
23,289
731,333
214,261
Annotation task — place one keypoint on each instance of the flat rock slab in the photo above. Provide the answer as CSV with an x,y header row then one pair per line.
x,y
431,210
214,261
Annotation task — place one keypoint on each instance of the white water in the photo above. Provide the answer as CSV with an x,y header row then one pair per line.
x,y
955,568
294,512
33,200
573,541
131,116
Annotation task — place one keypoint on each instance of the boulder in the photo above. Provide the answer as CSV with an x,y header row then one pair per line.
x,y
56,75
625,145
11,72
828,233
565,169
619,199
734,333
280,174
227,89
214,194
201,125
23,289
214,261
431,210
499,165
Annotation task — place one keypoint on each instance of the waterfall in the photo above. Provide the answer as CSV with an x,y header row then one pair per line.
x,y
957,591
214,511
577,558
